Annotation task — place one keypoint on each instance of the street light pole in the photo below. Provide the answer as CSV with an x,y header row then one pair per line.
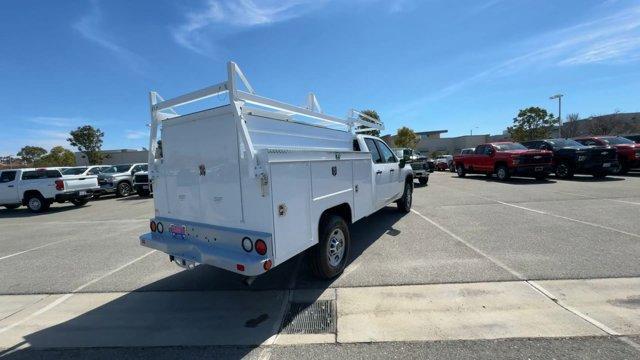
x,y
559,97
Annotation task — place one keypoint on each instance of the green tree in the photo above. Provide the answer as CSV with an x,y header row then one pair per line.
x,y
88,140
30,154
57,156
373,114
406,138
531,124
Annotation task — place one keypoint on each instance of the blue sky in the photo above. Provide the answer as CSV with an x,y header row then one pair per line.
x,y
433,64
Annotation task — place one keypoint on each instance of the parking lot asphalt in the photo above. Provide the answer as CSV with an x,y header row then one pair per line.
x,y
88,263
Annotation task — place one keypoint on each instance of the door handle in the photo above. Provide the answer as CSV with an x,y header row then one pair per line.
x,y
10,186
392,170
378,172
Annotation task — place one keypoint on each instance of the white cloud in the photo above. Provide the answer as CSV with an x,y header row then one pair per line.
x,y
610,39
136,134
204,27
55,121
89,26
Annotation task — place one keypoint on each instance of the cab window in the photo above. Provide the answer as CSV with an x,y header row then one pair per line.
x,y
385,152
7,176
480,149
373,149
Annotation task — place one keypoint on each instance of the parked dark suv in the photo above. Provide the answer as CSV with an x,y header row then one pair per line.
x,y
570,157
628,151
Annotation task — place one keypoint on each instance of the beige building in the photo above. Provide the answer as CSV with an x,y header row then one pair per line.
x,y
431,141
113,157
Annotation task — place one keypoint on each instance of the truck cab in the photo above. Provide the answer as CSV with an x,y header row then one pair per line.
x,y
248,185
505,159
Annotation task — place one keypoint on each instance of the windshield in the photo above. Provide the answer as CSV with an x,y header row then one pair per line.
x,y
617,140
565,143
509,146
74,171
117,169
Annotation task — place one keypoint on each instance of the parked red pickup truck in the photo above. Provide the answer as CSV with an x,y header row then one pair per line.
x,y
505,159
628,151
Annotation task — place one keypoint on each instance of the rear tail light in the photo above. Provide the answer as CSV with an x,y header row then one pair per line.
x,y
261,247
59,185
153,226
267,265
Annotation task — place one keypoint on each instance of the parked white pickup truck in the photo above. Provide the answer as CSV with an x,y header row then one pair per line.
x,y
248,185
39,188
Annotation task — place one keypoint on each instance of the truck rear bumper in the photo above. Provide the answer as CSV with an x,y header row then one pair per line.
x,y
199,252
73,195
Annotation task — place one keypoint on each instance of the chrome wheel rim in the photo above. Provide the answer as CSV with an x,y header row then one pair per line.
x,y
562,170
459,170
335,250
124,189
35,204
502,173
409,195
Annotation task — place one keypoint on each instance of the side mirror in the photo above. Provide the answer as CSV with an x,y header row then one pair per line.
x,y
402,163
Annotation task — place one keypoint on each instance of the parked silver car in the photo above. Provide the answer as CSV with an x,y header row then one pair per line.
x,y
118,179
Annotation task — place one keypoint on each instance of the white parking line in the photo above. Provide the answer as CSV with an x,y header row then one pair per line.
x,y
65,297
533,284
32,249
595,198
560,217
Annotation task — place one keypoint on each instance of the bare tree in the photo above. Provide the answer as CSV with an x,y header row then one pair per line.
x,y
570,127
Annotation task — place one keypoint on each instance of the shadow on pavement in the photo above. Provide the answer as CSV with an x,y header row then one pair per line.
x,y
23,212
202,307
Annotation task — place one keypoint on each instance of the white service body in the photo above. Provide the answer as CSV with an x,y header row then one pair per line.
x,y
235,172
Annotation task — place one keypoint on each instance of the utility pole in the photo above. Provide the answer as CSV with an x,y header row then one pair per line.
x,y
559,97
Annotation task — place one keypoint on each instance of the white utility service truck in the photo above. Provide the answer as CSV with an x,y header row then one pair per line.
x,y
250,184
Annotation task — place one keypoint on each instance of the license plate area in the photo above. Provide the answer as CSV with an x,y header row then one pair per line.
x,y
82,193
178,230
538,168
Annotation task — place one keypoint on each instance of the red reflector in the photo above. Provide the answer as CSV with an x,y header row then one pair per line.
x,y
261,247
59,185
240,267
152,226
267,265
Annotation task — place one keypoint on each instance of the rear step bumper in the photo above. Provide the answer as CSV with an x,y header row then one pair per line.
x,y
203,253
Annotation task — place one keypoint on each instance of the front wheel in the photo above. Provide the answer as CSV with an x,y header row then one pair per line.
x,y
404,203
79,202
124,189
460,171
563,171
329,257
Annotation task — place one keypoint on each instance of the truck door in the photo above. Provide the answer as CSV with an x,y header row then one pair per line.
x,y
379,180
8,188
394,186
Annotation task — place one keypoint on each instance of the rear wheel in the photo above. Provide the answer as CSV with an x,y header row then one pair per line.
x,y
329,257
124,189
460,171
404,203
503,173
79,202
423,180
12,206
36,203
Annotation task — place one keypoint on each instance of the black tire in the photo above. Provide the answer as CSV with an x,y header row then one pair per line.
x,y
12,206
124,189
502,172
404,203
460,171
143,193
36,203
423,181
334,239
564,171
79,202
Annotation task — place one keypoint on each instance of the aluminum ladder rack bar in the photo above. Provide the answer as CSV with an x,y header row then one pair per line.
x,y
209,91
